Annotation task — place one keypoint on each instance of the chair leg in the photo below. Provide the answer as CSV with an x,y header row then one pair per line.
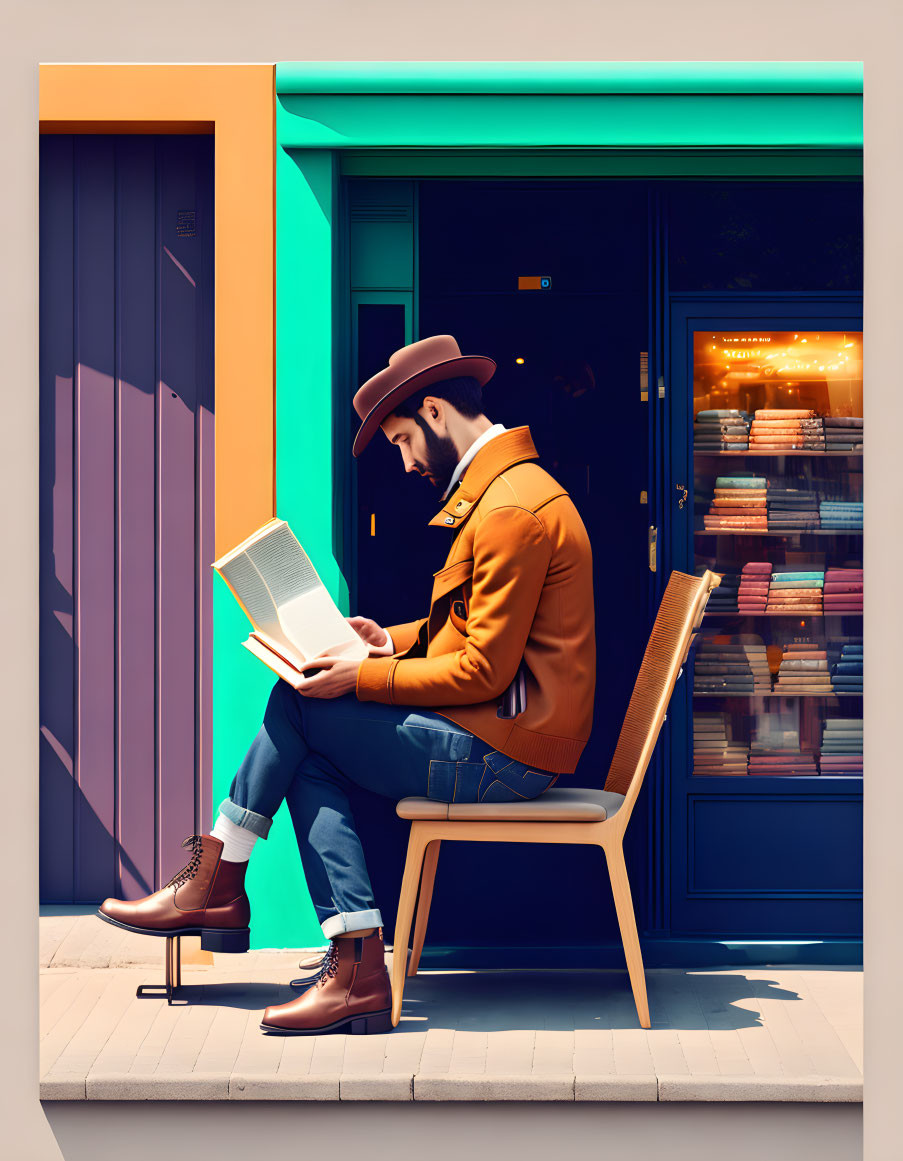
x,y
408,896
423,904
620,889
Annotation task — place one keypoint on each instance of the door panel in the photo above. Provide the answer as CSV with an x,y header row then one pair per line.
x,y
126,534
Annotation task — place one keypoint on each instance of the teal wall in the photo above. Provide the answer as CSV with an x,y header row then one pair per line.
x,y
615,118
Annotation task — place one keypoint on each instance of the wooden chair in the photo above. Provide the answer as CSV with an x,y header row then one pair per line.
x,y
564,815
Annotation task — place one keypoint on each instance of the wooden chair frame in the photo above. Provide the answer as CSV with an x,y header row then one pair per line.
x,y
676,624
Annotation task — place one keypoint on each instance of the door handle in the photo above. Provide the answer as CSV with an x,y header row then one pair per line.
x,y
653,544
683,499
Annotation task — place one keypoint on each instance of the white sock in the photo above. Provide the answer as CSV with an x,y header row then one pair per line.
x,y
238,841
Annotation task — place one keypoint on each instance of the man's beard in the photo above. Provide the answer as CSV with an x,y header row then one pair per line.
x,y
441,456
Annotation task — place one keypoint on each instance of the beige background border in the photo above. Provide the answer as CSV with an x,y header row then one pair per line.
x,y
266,30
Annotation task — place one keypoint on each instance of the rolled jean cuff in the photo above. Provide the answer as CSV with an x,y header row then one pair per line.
x,y
258,824
351,921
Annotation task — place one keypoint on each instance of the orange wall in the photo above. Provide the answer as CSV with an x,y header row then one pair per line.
x,y
236,103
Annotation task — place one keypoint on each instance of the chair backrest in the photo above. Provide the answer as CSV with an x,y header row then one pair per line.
x,y
676,622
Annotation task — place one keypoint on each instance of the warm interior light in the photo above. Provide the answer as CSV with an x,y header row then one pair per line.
x,y
518,359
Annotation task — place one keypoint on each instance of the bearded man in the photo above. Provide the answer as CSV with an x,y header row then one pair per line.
x,y
488,698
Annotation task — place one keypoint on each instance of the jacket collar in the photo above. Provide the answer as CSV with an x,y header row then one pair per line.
x,y
499,454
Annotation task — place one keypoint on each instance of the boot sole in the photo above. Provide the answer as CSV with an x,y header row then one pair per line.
x,y
367,1024
228,939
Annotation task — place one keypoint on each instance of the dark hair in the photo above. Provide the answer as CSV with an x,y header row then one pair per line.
x,y
463,393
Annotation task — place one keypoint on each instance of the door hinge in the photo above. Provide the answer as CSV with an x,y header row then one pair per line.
x,y
661,386
653,539
644,376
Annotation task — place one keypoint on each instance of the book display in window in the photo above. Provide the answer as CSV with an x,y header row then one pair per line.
x,y
778,439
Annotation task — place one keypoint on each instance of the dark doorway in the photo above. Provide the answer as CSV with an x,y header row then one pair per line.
x,y
569,368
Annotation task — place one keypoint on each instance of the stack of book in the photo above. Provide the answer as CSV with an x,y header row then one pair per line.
x,y
786,430
846,673
775,748
731,664
803,670
841,515
723,599
791,508
841,746
843,432
797,591
755,578
843,590
739,504
721,430
713,750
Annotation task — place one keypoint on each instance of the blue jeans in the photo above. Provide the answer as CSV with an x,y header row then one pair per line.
x,y
309,751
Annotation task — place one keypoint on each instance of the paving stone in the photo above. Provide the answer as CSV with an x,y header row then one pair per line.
x,y
136,1086
377,1088
615,1088
95,1030
493,1088
62,1088
52,931
284,1087
758,1088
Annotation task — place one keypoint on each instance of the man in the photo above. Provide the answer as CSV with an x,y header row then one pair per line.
x,y
487,699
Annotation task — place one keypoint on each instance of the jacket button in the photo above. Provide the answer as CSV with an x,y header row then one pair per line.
x,y
449,519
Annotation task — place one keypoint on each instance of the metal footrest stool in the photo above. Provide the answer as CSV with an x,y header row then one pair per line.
x,y
173,962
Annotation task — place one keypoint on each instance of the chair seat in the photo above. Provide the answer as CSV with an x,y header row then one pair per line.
x,y
568,804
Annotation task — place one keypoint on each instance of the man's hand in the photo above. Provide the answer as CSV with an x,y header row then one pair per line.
x,y
337,677
376,638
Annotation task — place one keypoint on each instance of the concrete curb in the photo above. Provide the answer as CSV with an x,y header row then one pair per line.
x,y
404,1087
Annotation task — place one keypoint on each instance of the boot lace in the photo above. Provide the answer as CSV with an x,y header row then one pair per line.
x,y
330,964
191,868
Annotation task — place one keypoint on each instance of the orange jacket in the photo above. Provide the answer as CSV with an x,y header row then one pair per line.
x,y
518,583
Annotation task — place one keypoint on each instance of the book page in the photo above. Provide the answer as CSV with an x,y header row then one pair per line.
x,y
314,618
309,618
248,585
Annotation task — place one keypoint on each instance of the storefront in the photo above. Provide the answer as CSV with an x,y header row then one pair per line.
x,y
633,246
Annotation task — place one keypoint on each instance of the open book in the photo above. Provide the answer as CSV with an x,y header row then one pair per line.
x,y
294,617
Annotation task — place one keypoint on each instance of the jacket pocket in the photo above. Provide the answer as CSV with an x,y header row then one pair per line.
x,y
452,577
458,609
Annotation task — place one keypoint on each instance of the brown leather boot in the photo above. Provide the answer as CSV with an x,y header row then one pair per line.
x,y
352,993
206,898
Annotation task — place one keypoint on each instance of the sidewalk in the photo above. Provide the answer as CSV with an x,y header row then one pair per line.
x,y
765,1034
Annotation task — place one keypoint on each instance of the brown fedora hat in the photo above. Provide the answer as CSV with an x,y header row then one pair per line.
x,y
413,367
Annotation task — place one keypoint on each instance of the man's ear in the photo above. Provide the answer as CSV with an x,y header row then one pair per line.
x,y
435,414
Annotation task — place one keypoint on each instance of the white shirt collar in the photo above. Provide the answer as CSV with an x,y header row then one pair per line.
x,y
488,434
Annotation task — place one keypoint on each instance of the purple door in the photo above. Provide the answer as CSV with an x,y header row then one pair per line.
x,y
126,523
